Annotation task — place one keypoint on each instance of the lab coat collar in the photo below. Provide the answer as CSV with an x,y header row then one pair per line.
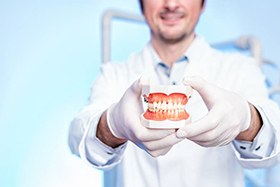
x,y
191,54
155,58
194,51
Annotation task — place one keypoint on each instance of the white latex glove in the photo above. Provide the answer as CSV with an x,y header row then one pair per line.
x,y
229,114
123,119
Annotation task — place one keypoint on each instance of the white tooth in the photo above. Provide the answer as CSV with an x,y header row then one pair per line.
x,y
164,105
179,106
159,105
150,105
175,106
154,105
169,106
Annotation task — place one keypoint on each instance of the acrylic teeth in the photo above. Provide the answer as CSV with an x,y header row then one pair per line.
x,y
163,106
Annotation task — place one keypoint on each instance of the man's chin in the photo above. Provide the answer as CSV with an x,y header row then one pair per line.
x,y
171,39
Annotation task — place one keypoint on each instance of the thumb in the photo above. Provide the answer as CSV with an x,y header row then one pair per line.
x,y
137,85
145,80
196,82
209,92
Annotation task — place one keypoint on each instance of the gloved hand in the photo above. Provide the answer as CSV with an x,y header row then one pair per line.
x,y
123,119
229,114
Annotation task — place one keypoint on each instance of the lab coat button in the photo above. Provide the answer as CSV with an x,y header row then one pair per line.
x,y
258,148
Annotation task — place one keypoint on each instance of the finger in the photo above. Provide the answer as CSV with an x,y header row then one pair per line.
x,y
168,141
215,139
206,90
214,143
205,142
136,87
196,82
145,134
210,136
159,152
144,80
202,126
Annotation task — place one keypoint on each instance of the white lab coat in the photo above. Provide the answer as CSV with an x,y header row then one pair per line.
x,y
187,164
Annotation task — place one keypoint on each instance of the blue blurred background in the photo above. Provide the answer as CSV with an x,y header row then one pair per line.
x,y
50,53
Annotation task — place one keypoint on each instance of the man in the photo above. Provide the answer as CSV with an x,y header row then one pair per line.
x,y
234,124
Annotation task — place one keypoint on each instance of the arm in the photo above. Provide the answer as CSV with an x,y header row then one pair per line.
x,y
105,135
254,128
98,134
256,139
262,150
121,122
82,132
229,115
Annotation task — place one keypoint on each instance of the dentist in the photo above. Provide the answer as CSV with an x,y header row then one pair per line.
x,y
235,125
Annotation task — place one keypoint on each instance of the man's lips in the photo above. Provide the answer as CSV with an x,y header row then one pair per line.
x,y
171,16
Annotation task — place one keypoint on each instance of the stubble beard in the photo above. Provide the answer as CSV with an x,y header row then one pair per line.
x,y
173,40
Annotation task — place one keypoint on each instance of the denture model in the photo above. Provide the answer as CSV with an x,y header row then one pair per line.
x,y
165,106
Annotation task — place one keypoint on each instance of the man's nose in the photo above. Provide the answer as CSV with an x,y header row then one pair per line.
x,y
171,4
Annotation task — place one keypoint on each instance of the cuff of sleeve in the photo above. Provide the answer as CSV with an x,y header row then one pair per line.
x,y
95,152
262,148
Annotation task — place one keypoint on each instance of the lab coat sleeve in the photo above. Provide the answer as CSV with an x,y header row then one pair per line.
x,y
82,133
265,149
